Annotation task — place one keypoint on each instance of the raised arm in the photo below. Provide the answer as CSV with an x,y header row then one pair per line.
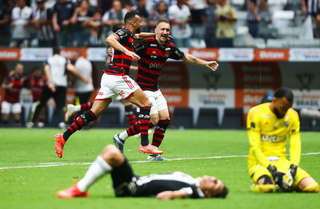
x,y
213,65
113,42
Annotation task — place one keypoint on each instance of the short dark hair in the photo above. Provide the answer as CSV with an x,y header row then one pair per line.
x,y
163,20
56,50
284,92
130,16
223,193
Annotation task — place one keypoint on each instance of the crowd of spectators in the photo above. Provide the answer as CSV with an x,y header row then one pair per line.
x,y
83,23
30,92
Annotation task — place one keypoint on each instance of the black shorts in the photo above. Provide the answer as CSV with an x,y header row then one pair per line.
x,y
124,180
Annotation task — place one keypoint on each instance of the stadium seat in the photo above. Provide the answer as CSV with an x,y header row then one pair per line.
x,y
110,118
182,117
208,118
232,118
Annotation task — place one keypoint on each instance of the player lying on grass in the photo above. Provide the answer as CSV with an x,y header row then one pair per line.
x,y
127,184
268,125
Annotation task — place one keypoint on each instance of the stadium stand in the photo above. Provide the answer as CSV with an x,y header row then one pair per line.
x,y
232,118
182,117
208,118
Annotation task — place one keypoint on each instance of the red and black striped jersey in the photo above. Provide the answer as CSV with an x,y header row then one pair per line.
x,y
36,85
120,63
13,94
153,56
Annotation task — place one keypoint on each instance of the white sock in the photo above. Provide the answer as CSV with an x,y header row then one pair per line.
x,y
76,108
124,135
97,169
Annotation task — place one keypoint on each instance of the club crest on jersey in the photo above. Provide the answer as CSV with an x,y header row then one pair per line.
x,y
286,124
166,54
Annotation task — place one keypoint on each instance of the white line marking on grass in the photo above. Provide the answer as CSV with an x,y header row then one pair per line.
x,y
53,164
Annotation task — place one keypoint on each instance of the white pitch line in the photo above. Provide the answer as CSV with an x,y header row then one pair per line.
x,y
44,165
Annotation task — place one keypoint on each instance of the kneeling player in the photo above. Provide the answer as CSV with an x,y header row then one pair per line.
x,y
126,183
268,126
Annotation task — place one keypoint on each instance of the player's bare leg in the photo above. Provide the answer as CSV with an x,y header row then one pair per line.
x,y
308,184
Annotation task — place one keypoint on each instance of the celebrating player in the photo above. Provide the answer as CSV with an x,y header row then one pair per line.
x,y
154,52
125,183
268,125
115,81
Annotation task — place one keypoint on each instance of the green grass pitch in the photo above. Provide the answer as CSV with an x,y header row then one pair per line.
x,y
31,174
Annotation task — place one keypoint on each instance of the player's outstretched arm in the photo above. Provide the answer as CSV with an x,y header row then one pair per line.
x,y
212,65
167,195
145,35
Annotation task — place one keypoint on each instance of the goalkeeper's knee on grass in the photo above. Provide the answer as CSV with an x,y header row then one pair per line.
x,y
312,188
263,188
267,186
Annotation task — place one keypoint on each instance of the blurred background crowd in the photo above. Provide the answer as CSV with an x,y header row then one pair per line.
x,y
194,23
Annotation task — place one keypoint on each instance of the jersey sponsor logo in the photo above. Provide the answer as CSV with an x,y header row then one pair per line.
x,y
153,45
271,138
154,56
253,125
286,124
155,65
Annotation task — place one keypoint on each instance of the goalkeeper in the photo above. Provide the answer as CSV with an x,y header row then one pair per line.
x,y
268,125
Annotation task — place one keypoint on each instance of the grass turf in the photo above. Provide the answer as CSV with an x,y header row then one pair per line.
x,y
31,174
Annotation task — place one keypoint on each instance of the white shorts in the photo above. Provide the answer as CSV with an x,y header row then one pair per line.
x,y
7,108
115,85
158,102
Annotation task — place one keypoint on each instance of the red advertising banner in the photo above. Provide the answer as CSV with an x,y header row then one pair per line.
x,y
174,84
253,81
271,55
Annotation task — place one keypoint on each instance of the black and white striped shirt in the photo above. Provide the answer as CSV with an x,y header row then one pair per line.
x,y
148,186
313,7
250,15
45,33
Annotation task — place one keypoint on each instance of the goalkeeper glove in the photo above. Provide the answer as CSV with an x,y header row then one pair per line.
x,y
290,176
278,178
